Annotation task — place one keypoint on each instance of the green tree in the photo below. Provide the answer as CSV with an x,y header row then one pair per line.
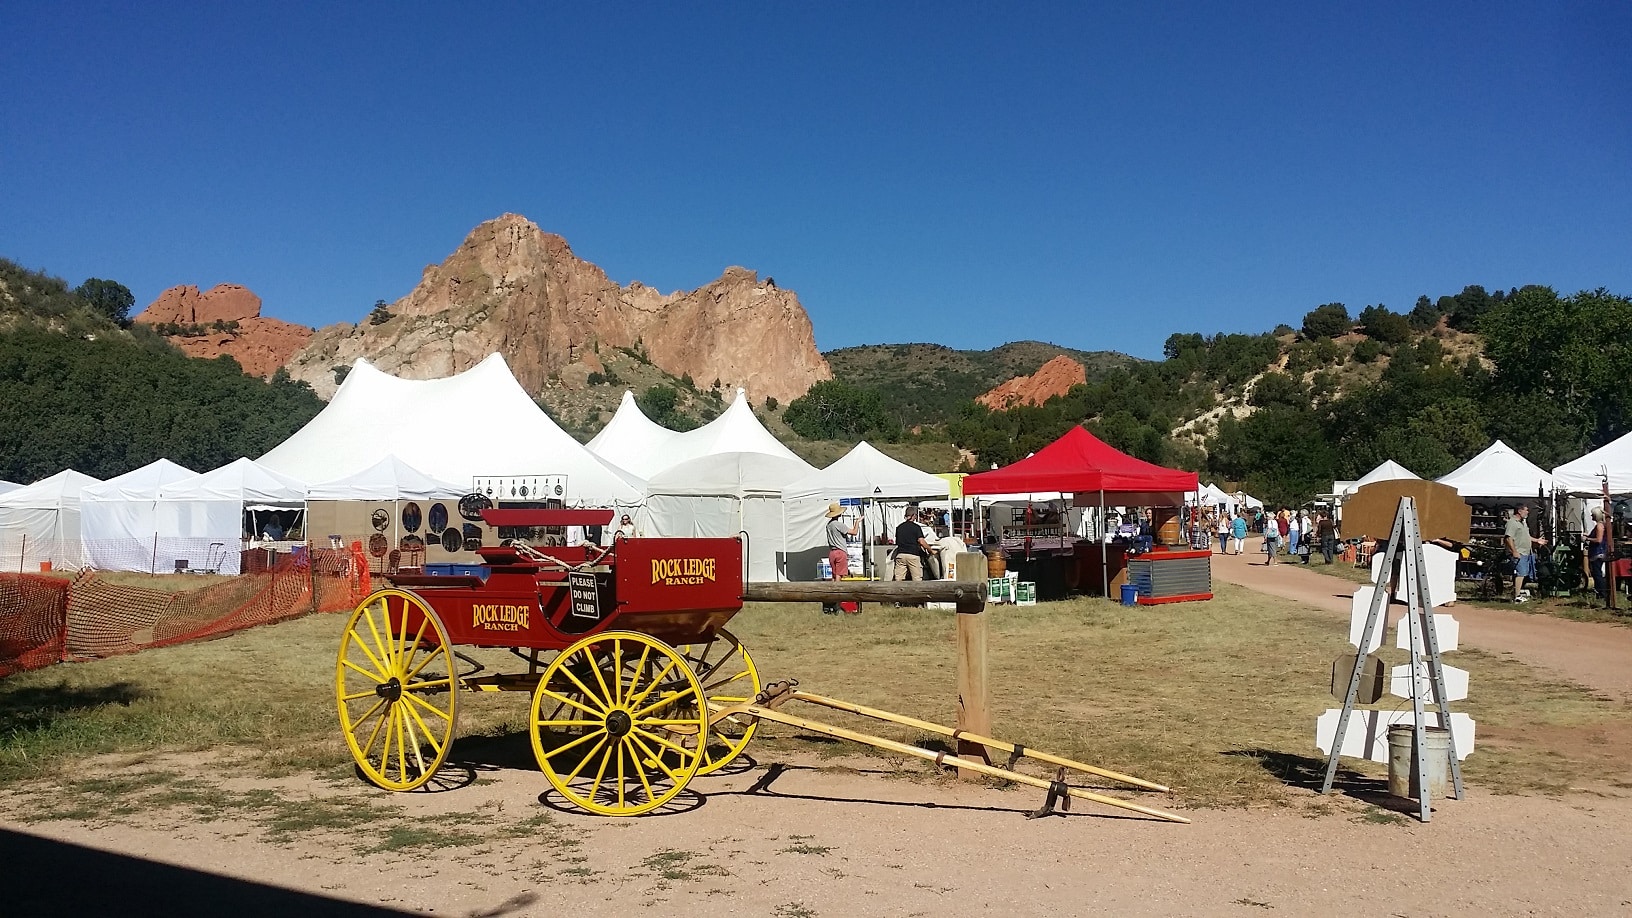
x,y
109,298
837,410
1328,321
1384,325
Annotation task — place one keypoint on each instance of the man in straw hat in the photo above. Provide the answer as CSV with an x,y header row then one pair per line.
x,y
838,553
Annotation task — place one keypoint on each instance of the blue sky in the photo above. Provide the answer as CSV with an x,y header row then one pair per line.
x,y
1094,175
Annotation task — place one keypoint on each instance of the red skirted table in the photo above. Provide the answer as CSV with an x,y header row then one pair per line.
x,y
1171,576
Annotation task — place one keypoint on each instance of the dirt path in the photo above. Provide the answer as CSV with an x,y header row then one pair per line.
x,y
1593,655
821,842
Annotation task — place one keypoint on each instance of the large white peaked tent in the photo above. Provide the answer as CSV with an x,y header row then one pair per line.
x,y
1499,472
1586,475
6,487
634,442
722,494
201,519
1388,470
388,479
119,518
736,430
479,423
39,524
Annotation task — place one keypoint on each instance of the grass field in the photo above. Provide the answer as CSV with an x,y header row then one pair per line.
x,y
1217,699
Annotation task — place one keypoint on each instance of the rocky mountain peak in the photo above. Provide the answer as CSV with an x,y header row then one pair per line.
x,y
510,287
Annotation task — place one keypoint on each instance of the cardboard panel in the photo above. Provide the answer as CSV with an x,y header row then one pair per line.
x,y
1441,511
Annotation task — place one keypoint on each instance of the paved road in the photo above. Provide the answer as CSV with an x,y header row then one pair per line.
x,y
1595,655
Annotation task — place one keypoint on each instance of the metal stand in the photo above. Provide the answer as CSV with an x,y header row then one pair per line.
x,y
1404,548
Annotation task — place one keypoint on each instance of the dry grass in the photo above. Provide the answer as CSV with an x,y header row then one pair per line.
x,y
1216,699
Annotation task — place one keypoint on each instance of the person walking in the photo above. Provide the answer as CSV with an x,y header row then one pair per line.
x,y
838,555
1223,530
1327,531
1520,546
1238,531
1272,537
1293,531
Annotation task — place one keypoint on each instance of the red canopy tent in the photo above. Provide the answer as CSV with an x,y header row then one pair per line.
x,y
1079,463
1082,464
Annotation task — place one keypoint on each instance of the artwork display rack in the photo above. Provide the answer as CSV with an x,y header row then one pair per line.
x,y
1404,549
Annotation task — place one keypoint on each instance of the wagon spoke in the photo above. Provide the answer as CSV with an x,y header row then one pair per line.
x,y
430,736
657,759
358,722
574,744
709,687
588,695
555,696
378,680
617,670
641,772
378,666
417,686
595,667
408,717
656,681
682,751
667,699
379,643
445,715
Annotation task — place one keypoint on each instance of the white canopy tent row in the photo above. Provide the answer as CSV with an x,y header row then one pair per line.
x,y
634,442
40,524
477,424
882,485
1387,470
1609,464
119,518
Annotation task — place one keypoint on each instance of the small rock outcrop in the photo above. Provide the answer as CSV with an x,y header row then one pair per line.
x,y
226,319
1053,378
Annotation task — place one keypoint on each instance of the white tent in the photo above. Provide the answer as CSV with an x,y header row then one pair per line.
x,y
201,519
6,487
1212,495
479,423
1389,470
39,524
388,479
1586,474
634,442
722,494
867,473
119,520
1499,472
863,473
736,430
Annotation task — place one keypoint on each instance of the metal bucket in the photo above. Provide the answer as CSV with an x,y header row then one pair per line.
x,y
1436,745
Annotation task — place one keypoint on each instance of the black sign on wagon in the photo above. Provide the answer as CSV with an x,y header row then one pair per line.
x,y
586,594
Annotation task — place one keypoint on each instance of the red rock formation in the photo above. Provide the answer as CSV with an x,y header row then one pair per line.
x,y
1051,379
515,289
260,345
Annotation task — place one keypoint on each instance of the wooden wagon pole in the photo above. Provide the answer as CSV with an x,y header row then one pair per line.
x,y
968,592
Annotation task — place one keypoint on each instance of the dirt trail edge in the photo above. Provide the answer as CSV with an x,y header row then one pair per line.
x,y
1593,655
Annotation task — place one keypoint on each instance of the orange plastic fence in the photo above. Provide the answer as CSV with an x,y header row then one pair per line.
x,y
47,619
33,621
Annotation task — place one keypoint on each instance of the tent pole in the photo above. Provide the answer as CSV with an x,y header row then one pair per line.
x,y
1104,565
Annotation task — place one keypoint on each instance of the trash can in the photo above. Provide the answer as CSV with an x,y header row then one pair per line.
x,y
1130,594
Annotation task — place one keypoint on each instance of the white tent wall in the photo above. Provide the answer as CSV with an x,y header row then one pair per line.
x,y
119,522
720,517
201,519
40,524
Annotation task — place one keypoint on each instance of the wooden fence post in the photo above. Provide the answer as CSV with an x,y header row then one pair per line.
x,y
974,700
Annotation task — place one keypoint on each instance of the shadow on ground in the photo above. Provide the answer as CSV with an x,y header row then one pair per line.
x,y
1309,774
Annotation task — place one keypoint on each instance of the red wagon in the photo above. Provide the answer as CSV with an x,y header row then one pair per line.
x,y
620,714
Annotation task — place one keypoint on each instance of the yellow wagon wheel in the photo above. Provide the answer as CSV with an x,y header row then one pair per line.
x,y
396,688
627,712
728,677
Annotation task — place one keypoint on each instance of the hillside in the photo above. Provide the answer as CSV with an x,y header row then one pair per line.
x,y
79,391
931,383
